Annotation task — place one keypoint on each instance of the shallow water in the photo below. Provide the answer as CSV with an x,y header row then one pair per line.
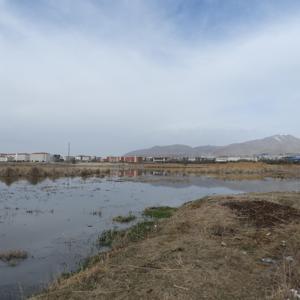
x,y
57,222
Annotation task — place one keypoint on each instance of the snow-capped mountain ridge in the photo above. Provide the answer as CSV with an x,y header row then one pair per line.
x,y
273,145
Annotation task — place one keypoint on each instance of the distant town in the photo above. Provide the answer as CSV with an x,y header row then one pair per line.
x,y
45,157
273,149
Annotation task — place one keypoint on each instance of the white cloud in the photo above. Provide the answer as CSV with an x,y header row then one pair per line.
x,y
59,83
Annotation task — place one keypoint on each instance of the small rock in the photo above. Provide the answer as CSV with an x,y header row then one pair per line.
x,y
244,252
283,243
268,234
223,244
289,259
268,260
295,294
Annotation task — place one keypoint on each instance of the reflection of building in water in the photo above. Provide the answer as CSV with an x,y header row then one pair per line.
x,y
131,173
159,173
126,173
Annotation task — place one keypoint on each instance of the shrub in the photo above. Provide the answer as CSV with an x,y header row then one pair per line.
x,y
135,233
159,212
124,219
8,256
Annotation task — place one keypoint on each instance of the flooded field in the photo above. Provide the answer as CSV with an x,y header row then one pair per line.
x,y
57,222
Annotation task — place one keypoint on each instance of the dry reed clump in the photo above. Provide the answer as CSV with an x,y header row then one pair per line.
x,y
206,250
8,256
34,171
9,172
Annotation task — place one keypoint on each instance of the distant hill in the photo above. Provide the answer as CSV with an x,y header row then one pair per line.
x,y
277,144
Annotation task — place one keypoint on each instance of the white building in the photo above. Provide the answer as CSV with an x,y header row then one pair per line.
x,y
233,158
84,158
11,157
160,159
40,157
249,158
191,159
221,159
22,157
3,157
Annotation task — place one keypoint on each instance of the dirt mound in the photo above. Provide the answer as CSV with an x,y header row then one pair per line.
x,y
264,213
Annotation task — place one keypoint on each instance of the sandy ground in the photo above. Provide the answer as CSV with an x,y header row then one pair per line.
x,y
223,247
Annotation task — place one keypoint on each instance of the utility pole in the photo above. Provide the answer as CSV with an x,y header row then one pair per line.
x,y
69,149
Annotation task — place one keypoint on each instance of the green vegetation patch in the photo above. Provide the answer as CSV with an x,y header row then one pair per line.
x,y
140,230
91,261
159,212
124,219
107,237
135,233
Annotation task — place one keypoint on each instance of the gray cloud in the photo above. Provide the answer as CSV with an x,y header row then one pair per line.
x,y
143,86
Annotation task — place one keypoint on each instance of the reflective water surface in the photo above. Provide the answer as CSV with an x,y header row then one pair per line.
x,y
57,222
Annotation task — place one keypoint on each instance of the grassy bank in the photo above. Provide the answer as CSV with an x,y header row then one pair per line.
x,y
10,172
230,247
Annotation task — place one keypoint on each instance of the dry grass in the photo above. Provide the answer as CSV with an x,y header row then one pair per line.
x,y
206,250
8,256
239,170
35,172
10,172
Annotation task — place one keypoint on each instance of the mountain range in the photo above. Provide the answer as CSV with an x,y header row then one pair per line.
x,y
273,145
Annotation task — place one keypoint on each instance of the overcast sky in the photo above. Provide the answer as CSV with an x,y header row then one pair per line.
x,y
112,76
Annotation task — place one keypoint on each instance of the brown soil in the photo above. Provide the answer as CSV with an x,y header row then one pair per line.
x,y
264,213
213,248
